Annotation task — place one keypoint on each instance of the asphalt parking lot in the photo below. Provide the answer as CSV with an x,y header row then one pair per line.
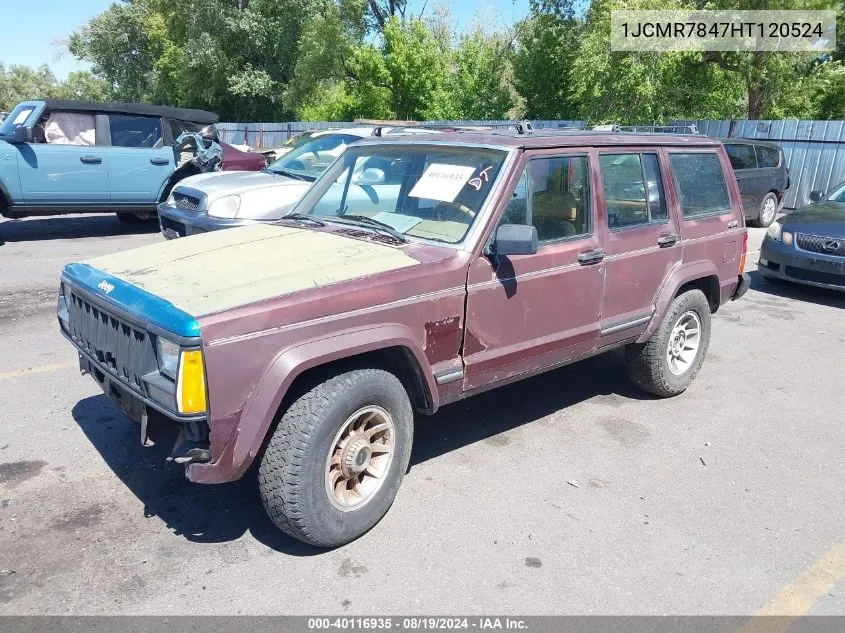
x,y
569,493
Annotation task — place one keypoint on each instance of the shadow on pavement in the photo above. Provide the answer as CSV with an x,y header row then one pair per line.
x,y
214,514
63,227
799,292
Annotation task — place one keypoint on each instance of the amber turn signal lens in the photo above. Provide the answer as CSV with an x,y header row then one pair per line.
x,y
190,389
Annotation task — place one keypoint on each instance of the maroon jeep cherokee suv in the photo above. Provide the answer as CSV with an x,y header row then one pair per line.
x,y
415,272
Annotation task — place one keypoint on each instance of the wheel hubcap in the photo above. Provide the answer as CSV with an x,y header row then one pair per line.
x,y
769,210
684,343
360,458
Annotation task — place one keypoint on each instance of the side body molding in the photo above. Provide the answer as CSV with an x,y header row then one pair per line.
x,y
260,410
677,277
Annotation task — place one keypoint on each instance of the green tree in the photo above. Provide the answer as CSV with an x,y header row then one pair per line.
x,y
482,73
231,56
417,71
547,45
83,85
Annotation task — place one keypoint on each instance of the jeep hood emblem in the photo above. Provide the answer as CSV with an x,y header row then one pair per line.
x,y
105,286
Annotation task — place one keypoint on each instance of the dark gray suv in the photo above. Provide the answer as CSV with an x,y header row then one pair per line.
x,y
762,176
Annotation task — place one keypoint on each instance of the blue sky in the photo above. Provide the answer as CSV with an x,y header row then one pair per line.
x,y
32,31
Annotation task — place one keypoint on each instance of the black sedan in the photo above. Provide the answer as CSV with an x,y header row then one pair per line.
x,y
808,246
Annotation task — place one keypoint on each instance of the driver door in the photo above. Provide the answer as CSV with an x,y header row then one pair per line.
x,y
530,312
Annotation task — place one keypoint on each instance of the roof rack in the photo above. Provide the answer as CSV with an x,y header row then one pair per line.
x,y
660,129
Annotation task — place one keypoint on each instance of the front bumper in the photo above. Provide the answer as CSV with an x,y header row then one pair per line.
x,y
175,222
790,263
742,286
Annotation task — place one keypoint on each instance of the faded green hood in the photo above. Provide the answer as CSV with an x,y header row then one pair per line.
x,y
234,267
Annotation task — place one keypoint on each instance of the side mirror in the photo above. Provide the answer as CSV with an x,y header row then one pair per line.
x,y
21,135
370,176
515,239
815,196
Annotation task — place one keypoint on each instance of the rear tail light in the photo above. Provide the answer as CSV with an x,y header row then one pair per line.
x,y
744,251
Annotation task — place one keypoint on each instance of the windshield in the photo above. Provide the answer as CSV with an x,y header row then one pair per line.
x,y
312,157
16,118
425,191
838,195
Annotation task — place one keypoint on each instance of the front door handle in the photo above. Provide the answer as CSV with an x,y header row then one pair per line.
x,y
159,161
667,240
733,224
591,257
91,160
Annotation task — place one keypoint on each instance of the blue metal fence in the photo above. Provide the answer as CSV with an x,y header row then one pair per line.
x,y
814,150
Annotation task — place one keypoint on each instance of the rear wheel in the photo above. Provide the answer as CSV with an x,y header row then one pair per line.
x,y
768,210
337,457
668,362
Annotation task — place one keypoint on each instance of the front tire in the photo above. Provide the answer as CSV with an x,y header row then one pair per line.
x,y
668,362
336,460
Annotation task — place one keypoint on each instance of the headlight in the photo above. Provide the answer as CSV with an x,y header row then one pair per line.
x,y
225,207
168,357
786,236
186,368
171,200
774,231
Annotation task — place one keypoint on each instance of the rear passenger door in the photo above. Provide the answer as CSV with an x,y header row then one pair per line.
x,y
642,239
712,227
529,312
139,161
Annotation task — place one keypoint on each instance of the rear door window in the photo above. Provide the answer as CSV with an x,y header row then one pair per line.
x,y
701,185
742,155
633,189
134,131
767,156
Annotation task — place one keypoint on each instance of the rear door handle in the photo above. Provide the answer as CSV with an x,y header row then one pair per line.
x,y
159,161
91,160
591,257
733,225
667,240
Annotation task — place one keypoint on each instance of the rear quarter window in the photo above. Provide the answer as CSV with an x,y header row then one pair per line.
x,y
700,182
134,131
768,156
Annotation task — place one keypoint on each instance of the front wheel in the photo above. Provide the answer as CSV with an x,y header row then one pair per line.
x,y
337,457
668,362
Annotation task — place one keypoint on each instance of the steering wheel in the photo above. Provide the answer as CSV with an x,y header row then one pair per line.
x,y
457,206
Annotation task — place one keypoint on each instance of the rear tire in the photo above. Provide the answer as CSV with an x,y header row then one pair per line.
x,y
768,210
327,447
658,366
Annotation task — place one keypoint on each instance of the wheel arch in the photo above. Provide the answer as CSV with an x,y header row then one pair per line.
x,y
702,275
297,369
175,178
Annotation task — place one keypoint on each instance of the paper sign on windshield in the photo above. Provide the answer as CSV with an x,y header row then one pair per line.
x,y
442,182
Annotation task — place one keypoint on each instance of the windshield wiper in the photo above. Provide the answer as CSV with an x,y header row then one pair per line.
x,y
376,224
302,217
289,174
